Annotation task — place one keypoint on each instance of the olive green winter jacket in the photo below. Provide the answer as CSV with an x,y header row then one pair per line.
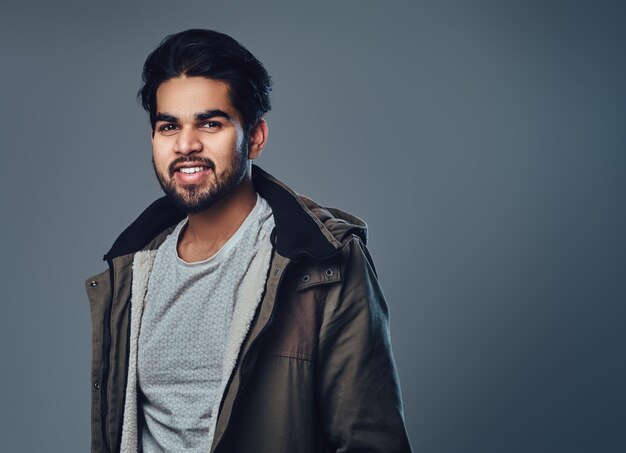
x,y
312,370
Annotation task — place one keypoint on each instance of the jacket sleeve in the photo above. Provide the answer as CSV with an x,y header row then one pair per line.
x,y
358,388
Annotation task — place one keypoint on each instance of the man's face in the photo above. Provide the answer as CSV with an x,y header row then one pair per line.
x,y
198,148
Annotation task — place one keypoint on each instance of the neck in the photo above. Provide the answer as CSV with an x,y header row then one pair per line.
x,y
207,231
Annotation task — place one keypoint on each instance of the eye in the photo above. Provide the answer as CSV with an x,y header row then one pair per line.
x,y
167,127
213,125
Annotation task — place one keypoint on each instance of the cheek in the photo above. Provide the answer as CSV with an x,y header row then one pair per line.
x,y
225,143
224,149
159,148
159,158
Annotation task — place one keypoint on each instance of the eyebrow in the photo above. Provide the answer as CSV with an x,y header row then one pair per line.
x,y
200,116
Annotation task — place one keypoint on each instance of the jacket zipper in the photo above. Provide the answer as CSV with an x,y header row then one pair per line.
x,y
105,371
260,334
254,342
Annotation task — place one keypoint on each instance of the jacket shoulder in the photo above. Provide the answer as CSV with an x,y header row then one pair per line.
x,y
341,224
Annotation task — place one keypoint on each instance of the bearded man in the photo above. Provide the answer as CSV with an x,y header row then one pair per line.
x,y
236,315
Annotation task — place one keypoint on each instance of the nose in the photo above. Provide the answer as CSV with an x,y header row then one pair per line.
x,y
188,142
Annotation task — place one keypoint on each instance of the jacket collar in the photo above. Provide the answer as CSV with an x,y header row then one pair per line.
x,y
298,231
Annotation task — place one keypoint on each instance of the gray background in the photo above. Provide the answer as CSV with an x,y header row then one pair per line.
x,y
483,142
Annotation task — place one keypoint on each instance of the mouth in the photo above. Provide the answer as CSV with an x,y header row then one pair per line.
x,y
190,170
191,173
190,166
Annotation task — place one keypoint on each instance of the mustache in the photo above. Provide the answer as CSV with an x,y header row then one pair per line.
x,y
202,161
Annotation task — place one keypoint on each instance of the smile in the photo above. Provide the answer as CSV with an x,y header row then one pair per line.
x,y
190,170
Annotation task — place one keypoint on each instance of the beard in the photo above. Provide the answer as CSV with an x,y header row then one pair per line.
x,y
195,198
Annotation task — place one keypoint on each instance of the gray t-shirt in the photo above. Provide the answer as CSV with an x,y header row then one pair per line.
x,y
184,329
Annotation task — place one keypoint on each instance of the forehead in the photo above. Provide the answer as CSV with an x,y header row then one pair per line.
x,y
185,96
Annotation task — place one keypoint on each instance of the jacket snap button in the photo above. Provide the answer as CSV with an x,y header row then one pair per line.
x,y
306,277
93,283
329,272
96,385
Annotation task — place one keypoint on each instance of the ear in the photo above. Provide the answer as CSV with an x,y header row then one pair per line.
x,y
258,139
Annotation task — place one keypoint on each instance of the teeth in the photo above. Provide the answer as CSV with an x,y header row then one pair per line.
x,y
190,169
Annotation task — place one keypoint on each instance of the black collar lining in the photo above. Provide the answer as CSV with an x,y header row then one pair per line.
x,y
297,233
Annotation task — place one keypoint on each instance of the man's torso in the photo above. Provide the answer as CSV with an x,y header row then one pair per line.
x,y
184,331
